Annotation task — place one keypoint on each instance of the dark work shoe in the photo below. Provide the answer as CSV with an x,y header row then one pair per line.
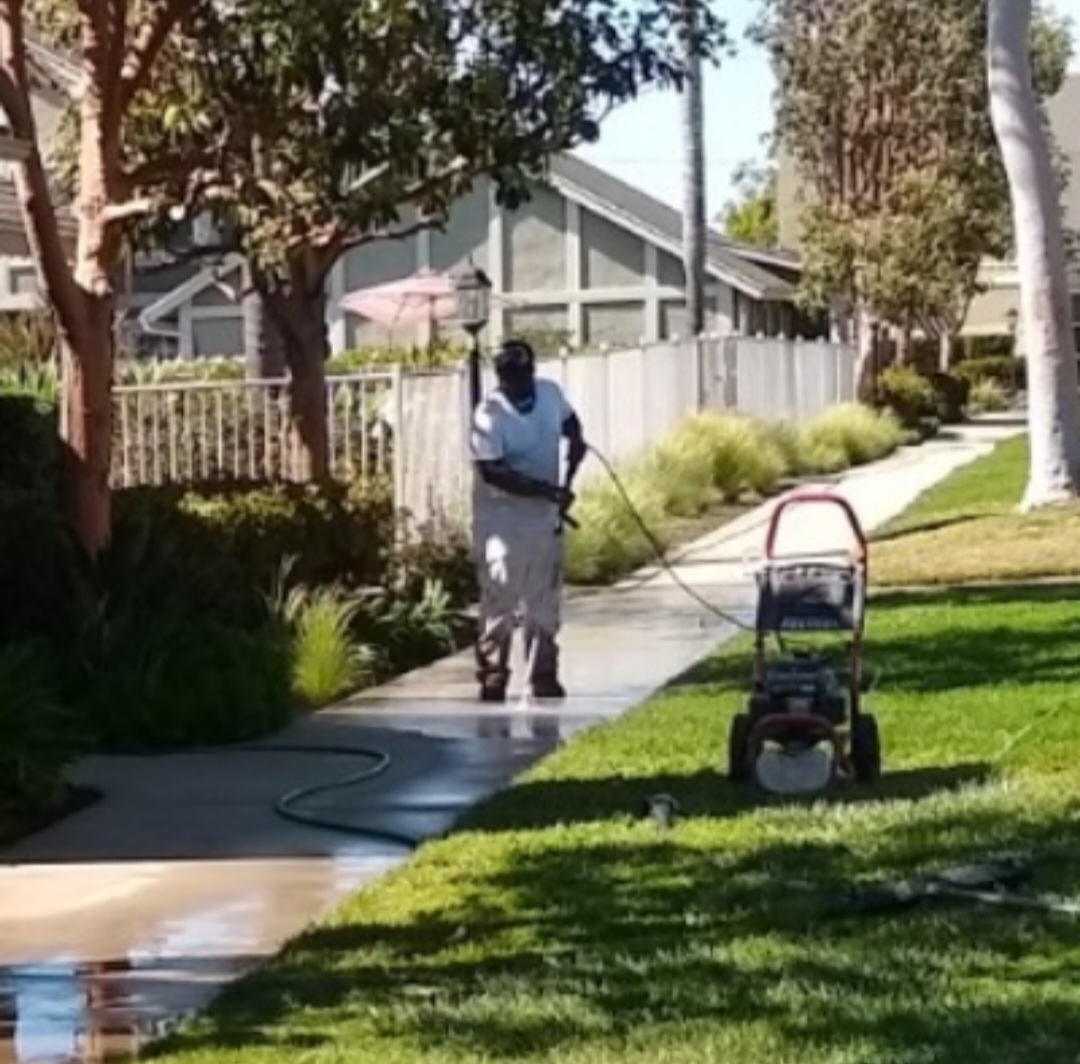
x,y
547,687
492,692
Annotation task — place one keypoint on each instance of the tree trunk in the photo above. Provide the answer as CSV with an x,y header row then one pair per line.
x,y
905,346
866,357
694,216
86,424
85,313
944,351
1053,402
300,320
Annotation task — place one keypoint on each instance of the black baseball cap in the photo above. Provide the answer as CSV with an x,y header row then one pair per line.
x,y
514,357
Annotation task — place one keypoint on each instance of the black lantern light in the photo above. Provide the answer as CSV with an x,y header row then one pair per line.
x,y
472,292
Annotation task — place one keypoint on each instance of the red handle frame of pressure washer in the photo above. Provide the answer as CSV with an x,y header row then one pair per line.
x,y
815,497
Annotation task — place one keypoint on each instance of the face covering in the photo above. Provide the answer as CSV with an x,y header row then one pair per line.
x,y
521,391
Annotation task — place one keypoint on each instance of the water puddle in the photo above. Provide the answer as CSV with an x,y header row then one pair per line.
x,y
94,1013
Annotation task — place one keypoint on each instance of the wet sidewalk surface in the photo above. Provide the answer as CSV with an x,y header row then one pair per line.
x,y
134,912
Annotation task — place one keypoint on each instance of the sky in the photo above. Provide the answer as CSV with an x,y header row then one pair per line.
x,y
641,142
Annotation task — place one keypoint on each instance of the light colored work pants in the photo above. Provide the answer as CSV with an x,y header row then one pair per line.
x,y
520,562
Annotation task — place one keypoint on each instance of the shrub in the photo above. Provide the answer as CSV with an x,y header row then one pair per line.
x,y
433,553
987,397
950,397
789,445
682,469
1006,370
609,541
29,445
327,661
410,631
228,543
853,431
36,735
738,451
438,356
34,548
908,394
993,347
189,682
27,339
822,453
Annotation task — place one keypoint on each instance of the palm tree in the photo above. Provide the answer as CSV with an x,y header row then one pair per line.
x,y
1053,401
694,225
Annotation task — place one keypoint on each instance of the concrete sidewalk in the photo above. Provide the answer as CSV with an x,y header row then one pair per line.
x,y
140,907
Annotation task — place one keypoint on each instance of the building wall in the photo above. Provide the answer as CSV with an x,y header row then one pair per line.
x,y
989,312
558,269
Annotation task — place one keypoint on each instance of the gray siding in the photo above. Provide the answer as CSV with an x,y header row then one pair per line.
x,y
611,257
535,244
218,295
162,279
466,233
217,336
380,262
616,324
1062,110
536,319
669,270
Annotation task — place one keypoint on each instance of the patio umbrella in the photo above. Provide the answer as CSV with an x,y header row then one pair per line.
x,y
425,296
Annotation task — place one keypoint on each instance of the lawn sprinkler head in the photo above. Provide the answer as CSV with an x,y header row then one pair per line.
x,y
662,809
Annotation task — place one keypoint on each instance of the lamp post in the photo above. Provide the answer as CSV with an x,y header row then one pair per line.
x,y
1012,323
472,291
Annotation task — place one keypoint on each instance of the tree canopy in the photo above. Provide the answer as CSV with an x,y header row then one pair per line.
x,y
751,215
311,128
883,107
308,129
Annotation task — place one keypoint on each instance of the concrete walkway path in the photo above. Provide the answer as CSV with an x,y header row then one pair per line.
x,y
139,908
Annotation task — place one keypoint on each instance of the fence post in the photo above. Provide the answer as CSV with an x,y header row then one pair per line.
x,y
465,470
697,364
397,454
729,371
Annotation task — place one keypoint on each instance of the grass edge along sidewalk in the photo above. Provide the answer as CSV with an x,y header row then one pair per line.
x,y
556,925
968,529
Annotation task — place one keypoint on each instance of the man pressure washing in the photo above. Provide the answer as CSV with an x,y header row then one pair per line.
x,y
520,502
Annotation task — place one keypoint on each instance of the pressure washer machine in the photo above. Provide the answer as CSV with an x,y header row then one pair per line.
x,y
804,726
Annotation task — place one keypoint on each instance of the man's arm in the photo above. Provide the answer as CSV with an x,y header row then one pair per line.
x,y
499,475
578,448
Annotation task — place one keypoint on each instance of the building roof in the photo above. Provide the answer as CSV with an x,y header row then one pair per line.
x,y
743,267
740,266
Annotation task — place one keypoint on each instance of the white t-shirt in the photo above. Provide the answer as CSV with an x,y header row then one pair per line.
x,y
528,443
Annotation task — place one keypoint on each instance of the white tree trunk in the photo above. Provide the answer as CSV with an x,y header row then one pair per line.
x,y
694,218
1053,400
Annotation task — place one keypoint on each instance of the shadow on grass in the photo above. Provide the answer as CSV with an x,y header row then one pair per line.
x,y
602,941
902,531
532,805
577,947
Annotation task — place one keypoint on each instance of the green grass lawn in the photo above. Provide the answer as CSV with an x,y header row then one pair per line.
x,y
968,529
558,926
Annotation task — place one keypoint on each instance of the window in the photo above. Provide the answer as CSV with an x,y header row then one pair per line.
x,y
23,281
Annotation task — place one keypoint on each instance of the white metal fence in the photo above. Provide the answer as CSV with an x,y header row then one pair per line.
x,y
190,431
412,427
